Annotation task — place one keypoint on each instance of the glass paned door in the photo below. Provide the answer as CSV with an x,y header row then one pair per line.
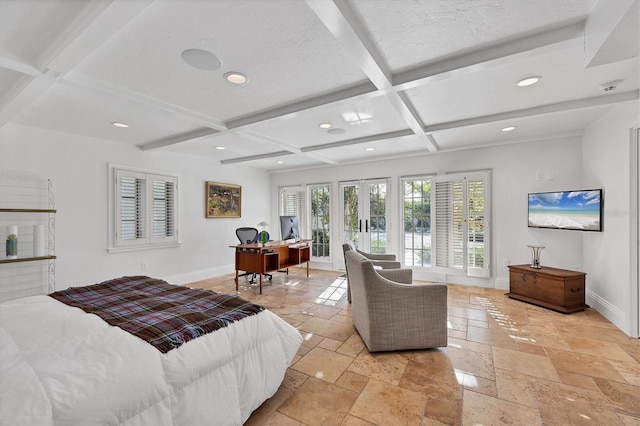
x,y
364,214
350,212
377,224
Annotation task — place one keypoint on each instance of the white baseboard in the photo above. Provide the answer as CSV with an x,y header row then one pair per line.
x,y
203,274
607,309
502,283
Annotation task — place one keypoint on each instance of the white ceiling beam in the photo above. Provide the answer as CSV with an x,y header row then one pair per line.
x,y
315,156
403,105
97,23
346,94
257,137
448,68
603,21
186,114
10,62
21,96
255,157
175,139
345,26
539,110
356,141
498,54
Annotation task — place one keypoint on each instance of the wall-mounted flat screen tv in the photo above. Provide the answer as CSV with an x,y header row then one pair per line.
x,y
576,210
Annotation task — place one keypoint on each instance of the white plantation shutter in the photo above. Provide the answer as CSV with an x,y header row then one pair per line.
x,y
292,201
132,197
145,209
449,234
460,228
477,239
163,212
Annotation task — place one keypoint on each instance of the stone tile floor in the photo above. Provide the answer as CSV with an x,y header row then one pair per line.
x,y
507,362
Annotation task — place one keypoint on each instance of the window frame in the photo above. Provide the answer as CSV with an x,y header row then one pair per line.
x,y
147,240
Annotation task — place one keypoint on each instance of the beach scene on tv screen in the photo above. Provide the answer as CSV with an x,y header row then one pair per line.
x,y
565,210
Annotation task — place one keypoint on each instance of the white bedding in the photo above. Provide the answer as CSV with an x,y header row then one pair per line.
x,y
62,366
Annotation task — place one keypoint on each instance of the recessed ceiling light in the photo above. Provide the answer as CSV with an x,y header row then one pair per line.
x,y
336,131
509,128
325,125
235,77
220,148
369,149
279,162
201,59
119,124
529,81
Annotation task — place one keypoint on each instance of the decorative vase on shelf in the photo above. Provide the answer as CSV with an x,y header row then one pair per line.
x,y
535,256
12,242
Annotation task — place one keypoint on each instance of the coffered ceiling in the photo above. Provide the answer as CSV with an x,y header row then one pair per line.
x,y
393,78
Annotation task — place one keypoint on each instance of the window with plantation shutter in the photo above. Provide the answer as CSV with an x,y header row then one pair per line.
x,y
144,210
292,204
460,236
292,201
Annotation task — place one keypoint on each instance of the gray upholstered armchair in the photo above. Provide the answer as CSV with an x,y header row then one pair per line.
x,y
390,313
381,260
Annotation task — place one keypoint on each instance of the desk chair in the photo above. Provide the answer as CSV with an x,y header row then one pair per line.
x,y
248,236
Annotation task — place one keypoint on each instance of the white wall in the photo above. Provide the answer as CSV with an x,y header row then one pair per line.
x,y
515,169
78,169
606,162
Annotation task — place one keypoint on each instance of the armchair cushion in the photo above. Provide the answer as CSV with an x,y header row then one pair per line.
x,y
391,315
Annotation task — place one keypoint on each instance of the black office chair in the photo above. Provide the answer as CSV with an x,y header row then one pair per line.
x,y
248,236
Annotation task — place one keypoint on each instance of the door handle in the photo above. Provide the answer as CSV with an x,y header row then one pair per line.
x,y
360,226
366,225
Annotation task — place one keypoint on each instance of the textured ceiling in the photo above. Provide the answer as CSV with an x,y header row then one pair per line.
x,y
403,77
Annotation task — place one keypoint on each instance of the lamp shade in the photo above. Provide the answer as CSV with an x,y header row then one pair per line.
x,y
263,223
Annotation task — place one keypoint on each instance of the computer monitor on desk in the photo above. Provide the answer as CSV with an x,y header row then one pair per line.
x,y
290,228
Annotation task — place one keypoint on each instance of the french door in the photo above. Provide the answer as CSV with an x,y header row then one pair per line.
x,y
364,214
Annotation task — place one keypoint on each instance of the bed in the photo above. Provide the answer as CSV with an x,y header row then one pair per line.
x,y
61,365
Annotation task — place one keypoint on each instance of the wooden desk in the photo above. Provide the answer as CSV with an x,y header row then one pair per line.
x,y
273,256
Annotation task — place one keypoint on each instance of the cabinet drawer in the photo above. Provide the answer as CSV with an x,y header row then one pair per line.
x,y
532,285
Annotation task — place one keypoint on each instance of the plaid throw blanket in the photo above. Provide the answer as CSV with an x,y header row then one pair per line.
x,y
162,314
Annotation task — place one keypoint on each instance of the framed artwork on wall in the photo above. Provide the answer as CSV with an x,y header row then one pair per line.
x,y
222,200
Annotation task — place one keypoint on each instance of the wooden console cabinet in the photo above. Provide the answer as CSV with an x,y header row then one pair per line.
x,y
553,288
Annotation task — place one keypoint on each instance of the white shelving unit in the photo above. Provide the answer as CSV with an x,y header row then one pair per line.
x,y
27,202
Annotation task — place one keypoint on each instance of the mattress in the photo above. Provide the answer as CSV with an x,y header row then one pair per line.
x,y
62,366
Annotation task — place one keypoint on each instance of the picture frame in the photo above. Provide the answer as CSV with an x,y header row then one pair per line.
x,y
222,200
